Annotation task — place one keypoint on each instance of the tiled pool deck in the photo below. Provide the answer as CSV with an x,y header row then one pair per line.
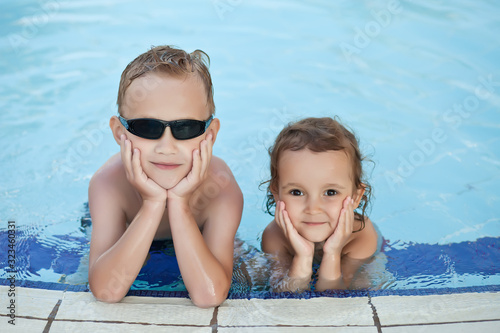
x,y
39,310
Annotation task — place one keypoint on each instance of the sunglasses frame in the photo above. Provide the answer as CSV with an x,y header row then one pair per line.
x,y
127,123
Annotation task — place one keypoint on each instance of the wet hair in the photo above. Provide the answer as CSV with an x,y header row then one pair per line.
x,y
170,61
319,135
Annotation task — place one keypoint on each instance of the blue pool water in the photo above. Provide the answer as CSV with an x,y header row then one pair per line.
x,y
418,81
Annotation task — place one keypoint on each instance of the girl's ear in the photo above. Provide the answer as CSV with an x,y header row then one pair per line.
x,y
359,195
117,128
275,193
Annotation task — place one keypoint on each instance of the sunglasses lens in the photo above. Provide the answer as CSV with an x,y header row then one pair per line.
x,y
147,128
187,129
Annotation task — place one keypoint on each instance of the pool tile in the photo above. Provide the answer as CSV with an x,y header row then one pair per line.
x,y
296,312
401,310
302,329
22,325
37,303
138,310
96,327
483,327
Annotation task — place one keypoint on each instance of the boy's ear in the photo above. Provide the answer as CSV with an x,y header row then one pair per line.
x,y
359,195
117,128
213,128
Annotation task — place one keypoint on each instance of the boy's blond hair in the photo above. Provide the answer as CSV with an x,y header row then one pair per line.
x,y
171,61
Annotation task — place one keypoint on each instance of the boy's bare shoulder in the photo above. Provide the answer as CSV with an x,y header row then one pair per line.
x,y
109,172
219,196
221,178
109,179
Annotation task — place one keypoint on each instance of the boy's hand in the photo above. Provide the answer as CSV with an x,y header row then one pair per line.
x,y
302,247
201,161
336,242
148,189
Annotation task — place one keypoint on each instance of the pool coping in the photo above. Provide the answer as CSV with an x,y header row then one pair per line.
x,y
77,311
268,294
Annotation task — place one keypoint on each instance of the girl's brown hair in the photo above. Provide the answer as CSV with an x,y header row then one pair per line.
x,y
171,61
319,135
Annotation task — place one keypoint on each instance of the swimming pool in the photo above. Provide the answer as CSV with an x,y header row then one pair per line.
x,y
418,82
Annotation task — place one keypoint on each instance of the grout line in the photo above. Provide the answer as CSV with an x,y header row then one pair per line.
x,y
127,323
445,323
376,319
52,316
291,326
213,322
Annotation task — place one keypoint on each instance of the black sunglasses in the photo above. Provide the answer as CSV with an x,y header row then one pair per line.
x,y
153,129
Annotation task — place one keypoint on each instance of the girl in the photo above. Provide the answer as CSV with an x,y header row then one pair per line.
x,y
320,199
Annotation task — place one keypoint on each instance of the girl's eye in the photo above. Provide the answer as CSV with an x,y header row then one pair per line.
x,y
296,192
330,192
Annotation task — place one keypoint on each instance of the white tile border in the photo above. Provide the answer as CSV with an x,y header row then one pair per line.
x,y
453,312
140,310
322,311
483,327
22,325
30,302
98,327
449,308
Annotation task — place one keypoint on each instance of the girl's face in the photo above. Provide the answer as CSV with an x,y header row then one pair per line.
x,y
313,187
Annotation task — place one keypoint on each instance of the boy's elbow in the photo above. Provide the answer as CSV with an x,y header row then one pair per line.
x,y
205,298
209,301
108,298
106,295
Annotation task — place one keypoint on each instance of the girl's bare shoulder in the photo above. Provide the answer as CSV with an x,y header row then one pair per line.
x,y
363,243
273,239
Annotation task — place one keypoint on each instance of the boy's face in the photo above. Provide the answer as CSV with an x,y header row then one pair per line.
x,y
167,160
313,187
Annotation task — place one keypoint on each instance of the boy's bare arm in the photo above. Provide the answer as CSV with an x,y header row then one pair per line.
x,y
206,259
117,253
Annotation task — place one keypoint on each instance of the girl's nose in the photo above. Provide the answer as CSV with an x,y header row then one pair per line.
x,y
313,205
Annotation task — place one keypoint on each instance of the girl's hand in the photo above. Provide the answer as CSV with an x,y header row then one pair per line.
x,y
336,242
201,162
301,246
147,188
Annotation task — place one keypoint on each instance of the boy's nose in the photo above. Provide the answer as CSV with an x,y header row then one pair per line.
x,y
167,144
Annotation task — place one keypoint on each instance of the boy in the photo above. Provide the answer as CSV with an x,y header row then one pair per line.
x,y
165,183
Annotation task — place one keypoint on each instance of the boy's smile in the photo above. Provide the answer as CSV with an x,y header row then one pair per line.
x,y
166,160
313,187
166,166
